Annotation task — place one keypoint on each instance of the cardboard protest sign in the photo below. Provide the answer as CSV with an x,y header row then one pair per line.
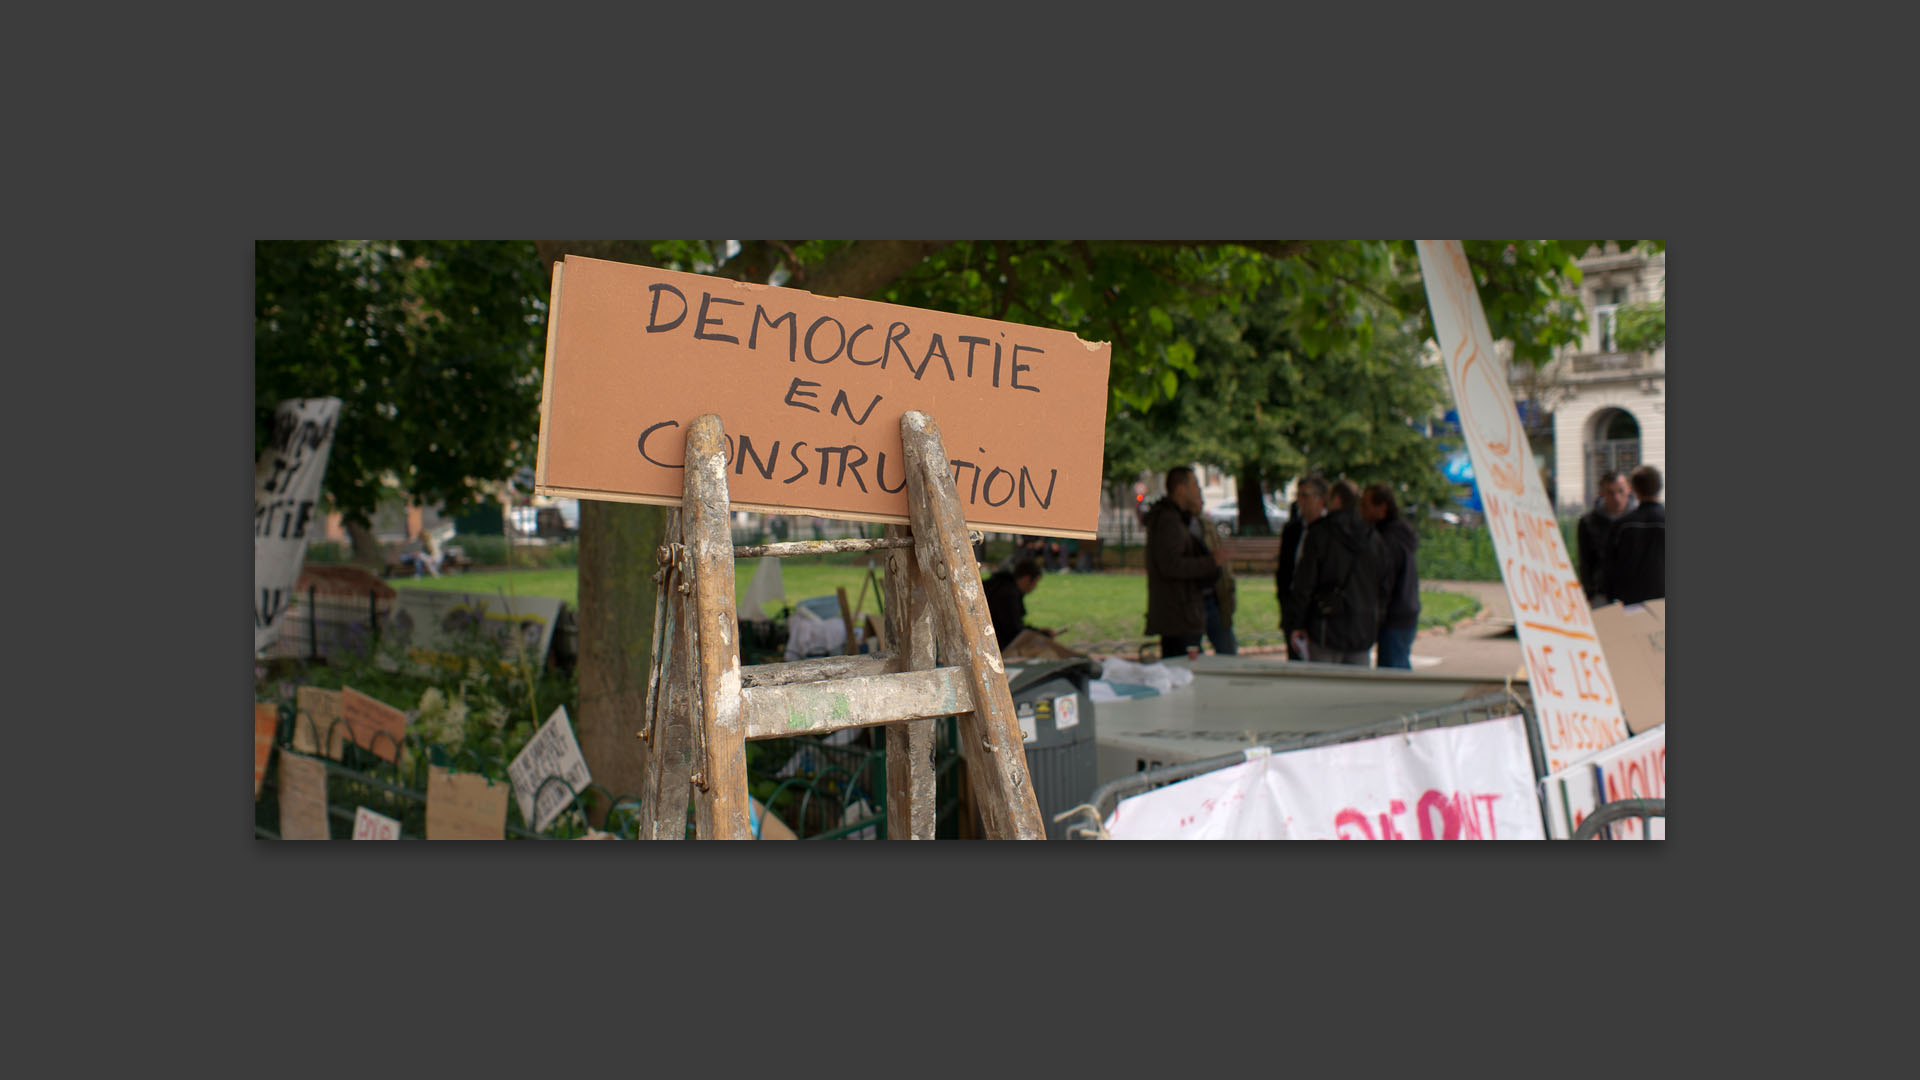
x,y
465,806
266,722
286,490
1634,769
551,752
303,799
810,391
1573,690
1635,637
316,712
1468,782
368,825
375,726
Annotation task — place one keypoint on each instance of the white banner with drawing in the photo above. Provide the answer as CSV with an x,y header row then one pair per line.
x,y
286,494
1468,782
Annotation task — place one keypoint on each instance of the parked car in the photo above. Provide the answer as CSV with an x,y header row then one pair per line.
x,y
1227,513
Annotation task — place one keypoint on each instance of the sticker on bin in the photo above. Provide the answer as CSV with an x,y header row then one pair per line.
x,y
1066,711
1029,730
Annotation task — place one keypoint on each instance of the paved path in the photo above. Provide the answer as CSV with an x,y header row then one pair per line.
x,y
1482,646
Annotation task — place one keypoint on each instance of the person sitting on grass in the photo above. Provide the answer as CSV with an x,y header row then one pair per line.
x,y
1006,599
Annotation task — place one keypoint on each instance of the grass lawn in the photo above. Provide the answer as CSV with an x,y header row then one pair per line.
x,y
1085,608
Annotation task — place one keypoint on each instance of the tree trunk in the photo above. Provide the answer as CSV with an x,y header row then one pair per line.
x,y
617,544
366,550
1253,508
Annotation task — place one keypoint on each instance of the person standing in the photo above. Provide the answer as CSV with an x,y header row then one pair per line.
x,y
1591,534
1340,584
1635,568
1180,570
1400,619
1309,505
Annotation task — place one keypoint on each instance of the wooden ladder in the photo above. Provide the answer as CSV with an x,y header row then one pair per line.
x,y
703,707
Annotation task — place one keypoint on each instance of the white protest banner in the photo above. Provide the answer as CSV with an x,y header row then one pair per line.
x,y
551,752
432,621
1634,769
368,825
1573,695
286,488
1469,782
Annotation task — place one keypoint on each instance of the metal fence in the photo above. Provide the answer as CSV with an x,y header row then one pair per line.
x,y
1093,814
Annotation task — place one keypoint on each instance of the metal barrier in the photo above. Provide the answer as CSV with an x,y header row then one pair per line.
x,y
1620,809
1108,796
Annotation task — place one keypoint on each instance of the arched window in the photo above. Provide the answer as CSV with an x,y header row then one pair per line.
x,y
1613,445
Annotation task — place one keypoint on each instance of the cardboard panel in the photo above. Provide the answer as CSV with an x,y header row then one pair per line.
x,y
315,713
303,799
810,391
465,806
1635,638
376,726
266,721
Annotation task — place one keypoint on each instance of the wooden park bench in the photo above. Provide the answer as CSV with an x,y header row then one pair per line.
x,y
1249,554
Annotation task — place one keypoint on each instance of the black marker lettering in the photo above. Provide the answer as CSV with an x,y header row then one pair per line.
x,y
880,477
895,332
764,468
1019,367
855,338
653,318
845,464
651,430
793,333
794,452
998,471
971,342
1026,480
841,399
823,452
936,345
811,330
996,363
957,466
794,391
700,324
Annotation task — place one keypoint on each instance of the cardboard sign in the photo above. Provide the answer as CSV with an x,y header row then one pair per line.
x,y
551,752
316,711
1635,638
810,391
464,806
1469,782
303,799
368,825
266,722
286,488
432,621
1573,690
375,726
1634,769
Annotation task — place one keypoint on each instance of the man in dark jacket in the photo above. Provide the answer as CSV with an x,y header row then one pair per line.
x,y
1635,567
1180,570
1591,535
1006,599
1401,618
1310,502
1340,585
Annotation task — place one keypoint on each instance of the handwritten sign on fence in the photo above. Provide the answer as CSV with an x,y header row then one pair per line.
x,y
464,806
810,390
368,825
1634,769
303,799
551,752
315,720
1573,691
375,725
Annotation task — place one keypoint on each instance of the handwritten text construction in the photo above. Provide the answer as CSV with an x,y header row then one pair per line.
x,y
810,391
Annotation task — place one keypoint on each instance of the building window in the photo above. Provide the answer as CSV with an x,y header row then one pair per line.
x,y
1606,309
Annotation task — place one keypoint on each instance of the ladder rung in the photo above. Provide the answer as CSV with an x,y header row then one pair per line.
x,y
815,670
791,548
778,712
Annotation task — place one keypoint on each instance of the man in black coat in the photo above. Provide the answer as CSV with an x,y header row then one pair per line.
x,y
1635,567
1400,620
1180,569
1591,536
1340,585
1310,503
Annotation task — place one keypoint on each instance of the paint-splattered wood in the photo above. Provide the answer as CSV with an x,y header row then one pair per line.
x,y
721,787
911,808
667,786
778,712
790,548
816,670
989,735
